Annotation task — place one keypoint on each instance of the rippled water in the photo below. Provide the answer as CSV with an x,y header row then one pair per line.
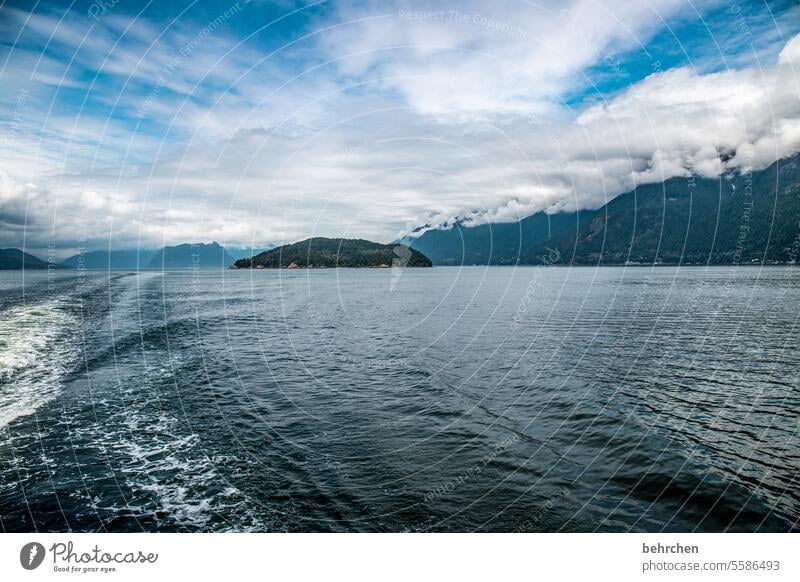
x,y
490,399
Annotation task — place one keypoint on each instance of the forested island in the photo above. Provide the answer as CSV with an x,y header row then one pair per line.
x,y
323,253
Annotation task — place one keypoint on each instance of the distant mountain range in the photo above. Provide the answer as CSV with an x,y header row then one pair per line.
x,y
16,259
335,252
134,259
736,219
191,255
491,244
751,218
183,256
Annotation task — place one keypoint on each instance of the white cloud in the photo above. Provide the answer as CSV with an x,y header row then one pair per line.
x,y
684,120
414,120
791,52
472,57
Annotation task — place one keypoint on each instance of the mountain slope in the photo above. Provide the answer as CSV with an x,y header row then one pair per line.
x,y
335,252
492,244
247,252
195,255
132,259
736,219
16,259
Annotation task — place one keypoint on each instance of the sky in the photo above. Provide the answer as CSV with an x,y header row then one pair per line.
x,y
133,124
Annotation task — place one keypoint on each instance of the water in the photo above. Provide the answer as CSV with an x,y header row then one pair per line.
x,y
444,399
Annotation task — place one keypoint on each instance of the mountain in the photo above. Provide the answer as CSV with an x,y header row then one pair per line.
x,y
191,255
335,252
737,219
16,259
491,244
133,259
247,252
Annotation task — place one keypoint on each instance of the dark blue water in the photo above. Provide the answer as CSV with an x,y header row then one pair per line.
x,y
439,399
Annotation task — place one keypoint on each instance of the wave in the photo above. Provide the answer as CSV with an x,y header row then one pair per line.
x,y
34,356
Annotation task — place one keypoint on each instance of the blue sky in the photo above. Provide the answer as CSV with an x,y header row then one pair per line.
x,y
135,124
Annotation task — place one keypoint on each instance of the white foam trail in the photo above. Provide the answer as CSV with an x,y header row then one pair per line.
x,y
34,356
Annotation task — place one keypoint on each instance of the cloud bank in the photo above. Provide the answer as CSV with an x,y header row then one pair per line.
x,y
368,120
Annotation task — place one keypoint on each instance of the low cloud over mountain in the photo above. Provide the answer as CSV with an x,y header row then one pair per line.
x,y
370,119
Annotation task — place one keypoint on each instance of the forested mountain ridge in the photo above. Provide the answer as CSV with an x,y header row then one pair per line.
x,y
748,218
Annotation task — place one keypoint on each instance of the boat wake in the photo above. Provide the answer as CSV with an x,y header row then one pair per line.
x,y
35,355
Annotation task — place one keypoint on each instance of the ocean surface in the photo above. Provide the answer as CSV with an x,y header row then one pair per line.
x,y
445,399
